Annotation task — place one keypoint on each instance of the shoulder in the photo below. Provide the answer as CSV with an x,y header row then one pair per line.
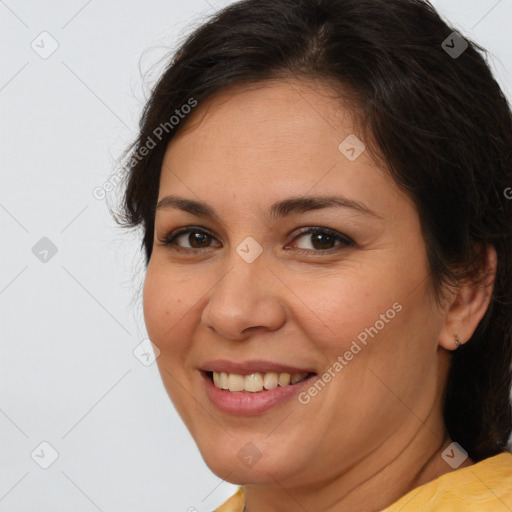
x,y
233,504
484,487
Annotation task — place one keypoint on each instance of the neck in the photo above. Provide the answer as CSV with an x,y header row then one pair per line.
x,y
371,484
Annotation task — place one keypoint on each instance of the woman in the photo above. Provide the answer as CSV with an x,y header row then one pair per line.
x,y
321,187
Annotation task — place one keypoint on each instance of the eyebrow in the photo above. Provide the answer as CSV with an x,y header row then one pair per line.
x,y
278,210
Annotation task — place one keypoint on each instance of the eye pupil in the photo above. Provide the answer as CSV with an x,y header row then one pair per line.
x,y
324,240
198,239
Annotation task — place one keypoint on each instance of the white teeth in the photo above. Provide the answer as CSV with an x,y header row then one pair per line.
x,y
284,379
236,382
297,377
255,382
223,380
271,380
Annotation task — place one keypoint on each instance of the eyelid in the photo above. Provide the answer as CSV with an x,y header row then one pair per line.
x,y
345,241
169,238
310,230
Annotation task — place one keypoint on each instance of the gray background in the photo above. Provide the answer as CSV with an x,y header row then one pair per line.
x,y
70,321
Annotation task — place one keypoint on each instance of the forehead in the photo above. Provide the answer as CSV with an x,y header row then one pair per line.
x,y
281,112
265,139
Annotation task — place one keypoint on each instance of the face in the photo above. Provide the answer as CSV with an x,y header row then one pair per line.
x,y
279,251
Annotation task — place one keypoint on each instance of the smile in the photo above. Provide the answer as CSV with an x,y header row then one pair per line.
x,y
255,382
253,387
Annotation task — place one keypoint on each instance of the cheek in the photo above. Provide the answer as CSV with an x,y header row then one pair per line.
x,y
155,309
381,319
339,310
165,304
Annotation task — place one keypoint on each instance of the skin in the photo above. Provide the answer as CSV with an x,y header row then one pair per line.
x,y
376,430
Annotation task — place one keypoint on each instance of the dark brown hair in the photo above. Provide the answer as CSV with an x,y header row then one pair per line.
x,y
438,120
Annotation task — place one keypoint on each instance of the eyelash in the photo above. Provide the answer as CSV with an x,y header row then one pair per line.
x,y
169,240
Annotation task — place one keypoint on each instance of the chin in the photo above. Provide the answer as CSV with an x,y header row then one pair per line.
x,y
240,462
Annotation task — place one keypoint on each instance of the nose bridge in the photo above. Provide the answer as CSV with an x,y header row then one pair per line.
x,y
246,280
246,296
247,265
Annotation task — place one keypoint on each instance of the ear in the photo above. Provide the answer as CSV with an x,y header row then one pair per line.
x,y
468,303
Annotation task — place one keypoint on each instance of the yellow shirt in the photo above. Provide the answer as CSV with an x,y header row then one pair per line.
x,y
483,487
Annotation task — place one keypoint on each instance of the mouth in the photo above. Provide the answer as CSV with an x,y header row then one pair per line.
x,y
252,387
256,382
253,393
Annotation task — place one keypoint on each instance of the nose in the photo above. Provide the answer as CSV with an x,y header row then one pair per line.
x,y
246,300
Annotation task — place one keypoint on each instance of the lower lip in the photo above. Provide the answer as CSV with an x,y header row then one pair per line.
x,y
247,403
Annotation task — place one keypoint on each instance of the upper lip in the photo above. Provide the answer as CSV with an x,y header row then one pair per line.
x,y
251,366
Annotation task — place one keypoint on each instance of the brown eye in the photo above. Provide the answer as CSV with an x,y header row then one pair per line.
x,y
199,240
189,238
321,239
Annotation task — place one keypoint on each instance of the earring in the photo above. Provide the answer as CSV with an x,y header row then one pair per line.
x,y
457,341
